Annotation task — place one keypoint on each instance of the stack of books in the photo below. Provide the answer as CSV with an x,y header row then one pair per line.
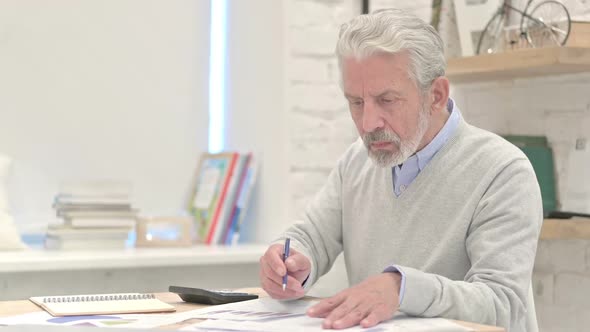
x,y
221,196
95,215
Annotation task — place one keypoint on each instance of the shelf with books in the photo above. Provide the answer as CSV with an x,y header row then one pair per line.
x,y
200,255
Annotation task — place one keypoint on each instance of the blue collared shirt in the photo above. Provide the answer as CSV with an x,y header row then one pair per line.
x,y
405,173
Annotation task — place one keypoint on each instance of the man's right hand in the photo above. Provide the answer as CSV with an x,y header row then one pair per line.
x,y
272,270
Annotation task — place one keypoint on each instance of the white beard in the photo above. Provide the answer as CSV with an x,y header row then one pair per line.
x,y
406,149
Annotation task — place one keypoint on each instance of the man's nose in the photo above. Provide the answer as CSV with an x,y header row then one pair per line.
x,y
372,118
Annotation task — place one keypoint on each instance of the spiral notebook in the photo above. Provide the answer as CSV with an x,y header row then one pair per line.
x,y
101,304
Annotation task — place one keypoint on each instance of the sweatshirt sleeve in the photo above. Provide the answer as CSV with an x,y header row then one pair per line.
x,y
318,235
501,244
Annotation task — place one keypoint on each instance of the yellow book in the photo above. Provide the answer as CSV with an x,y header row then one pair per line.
x,y
101,304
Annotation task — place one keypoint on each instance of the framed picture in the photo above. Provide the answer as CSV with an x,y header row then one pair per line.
x,y
164,232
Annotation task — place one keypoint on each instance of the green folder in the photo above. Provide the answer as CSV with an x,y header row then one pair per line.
x,y
523,141
537,149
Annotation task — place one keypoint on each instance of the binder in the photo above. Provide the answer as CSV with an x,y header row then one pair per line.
x,y
540,154
101,304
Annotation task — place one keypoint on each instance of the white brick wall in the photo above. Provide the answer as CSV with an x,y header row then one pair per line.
x,y
543,287
320,127
569,288
561,283
556,106
326,97
561,256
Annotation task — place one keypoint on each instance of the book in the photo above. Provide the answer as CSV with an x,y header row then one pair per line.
x,y
223,200
64,237
62,207
98,213
101,304
98,222
212,180
65,231
229,203
57,243
91,200
234,208
540,154
240,209
112,188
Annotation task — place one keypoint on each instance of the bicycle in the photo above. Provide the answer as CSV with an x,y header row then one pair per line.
x,y
548,22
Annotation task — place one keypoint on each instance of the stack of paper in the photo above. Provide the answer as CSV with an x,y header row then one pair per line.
x,y
265,314
96,215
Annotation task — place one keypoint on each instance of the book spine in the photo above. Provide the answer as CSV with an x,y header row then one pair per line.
x,y
205,194
60,199
97,214
243,203
229,238
83,222
221,199
230,201
64,207
235,209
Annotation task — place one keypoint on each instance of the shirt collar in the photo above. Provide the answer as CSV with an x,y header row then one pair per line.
x,y
425,155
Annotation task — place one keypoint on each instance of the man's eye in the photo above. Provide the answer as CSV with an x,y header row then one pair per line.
x,y
386,101
355,102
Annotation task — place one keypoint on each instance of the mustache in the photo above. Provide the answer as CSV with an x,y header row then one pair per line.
x,y
381,135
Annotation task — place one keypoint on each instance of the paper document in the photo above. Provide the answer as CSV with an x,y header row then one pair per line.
x,y
262,315
315,324
126,320
264,309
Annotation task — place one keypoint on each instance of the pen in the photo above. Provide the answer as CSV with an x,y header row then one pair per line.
x,y
285,255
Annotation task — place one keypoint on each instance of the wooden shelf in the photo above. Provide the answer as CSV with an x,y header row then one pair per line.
x,y
565,229
519,63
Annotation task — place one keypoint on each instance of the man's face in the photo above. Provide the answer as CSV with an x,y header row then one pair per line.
x,y
386,106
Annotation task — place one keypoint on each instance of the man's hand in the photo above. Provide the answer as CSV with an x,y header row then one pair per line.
x,y
272,270
374,300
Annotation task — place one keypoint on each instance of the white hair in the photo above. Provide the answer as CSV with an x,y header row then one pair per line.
x,y
393,31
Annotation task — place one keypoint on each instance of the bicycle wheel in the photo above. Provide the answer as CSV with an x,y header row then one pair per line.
x,y
548,24
529,4
491,39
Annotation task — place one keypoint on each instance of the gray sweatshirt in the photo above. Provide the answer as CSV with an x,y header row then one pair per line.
x,y
464,233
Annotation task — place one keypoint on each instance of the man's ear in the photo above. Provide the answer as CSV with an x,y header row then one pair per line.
x,y
439,94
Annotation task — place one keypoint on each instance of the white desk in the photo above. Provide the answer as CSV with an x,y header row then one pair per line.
x,y
44,272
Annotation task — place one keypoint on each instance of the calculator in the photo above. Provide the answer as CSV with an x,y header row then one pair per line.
x,y
209,296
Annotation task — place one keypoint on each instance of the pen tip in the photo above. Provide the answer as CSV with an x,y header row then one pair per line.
x,y
284,286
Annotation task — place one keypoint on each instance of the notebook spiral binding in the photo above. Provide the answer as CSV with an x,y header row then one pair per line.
x,y
94,298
